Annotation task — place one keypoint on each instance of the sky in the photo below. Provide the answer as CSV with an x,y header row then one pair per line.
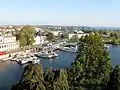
x,y
61,12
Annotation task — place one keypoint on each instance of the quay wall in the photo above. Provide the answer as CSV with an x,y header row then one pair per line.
x,y
4,56
12,54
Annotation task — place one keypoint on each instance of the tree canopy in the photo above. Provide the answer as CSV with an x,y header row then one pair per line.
x,y
50,36
32,79
92,66
26,37
74,38
114,82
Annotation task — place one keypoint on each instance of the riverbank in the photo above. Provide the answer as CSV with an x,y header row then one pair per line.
x,y
111,40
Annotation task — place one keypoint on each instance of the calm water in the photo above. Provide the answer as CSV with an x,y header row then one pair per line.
x,y
12,72
115,55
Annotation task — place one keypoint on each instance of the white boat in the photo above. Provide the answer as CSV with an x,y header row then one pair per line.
x,y
24,61
47,54
69,49
36,61
106,47
14,59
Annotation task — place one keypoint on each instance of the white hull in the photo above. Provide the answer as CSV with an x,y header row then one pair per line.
x,y
47,55
23,61
36,61
74,50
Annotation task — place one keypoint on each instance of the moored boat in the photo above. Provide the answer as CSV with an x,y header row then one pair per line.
x,y
47,54
35,60
69,48
24,61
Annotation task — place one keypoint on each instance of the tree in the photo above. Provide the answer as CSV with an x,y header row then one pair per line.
x,y
49,78
27,33
50,36
22,40
56,80
32,79
16,33
92,66
114,82
61,82
116,36
74,38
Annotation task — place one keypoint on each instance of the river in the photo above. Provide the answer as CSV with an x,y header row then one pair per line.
x,y
10,72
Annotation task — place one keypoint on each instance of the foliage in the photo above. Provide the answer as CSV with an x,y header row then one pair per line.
x,y
16,33
50,36
56,80
92,66
32,79
114,82
22,40
61,82
26,33
115,42
74,38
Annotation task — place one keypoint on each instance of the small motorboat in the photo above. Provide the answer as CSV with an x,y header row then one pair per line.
x,y
69,48
24,61
47,54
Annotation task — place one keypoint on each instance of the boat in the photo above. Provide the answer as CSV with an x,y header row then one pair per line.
x,y
69,48
106,46
14,59
24,61
35,60
47,54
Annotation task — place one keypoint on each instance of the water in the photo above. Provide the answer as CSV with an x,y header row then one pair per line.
x,y
63,60
9,75
115,55
11,72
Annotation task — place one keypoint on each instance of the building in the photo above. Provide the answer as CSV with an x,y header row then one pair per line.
x,y
56,33
39,40
78,33
8,43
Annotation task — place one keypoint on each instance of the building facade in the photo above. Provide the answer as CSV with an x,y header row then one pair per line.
x,y
39,40
8,43
78,33
56,33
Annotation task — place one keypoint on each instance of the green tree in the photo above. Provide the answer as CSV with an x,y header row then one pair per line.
x,y
49,78
32,79
114,82
56,80
61,82
22,40
27,33
74,38
16,33
116,36
50,36
92,66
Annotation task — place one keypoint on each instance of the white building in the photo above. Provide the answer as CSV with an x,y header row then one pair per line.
x,y
56,33
39,40
8,43
78,33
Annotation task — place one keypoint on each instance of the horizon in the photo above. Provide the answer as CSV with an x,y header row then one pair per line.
x,y
92,13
